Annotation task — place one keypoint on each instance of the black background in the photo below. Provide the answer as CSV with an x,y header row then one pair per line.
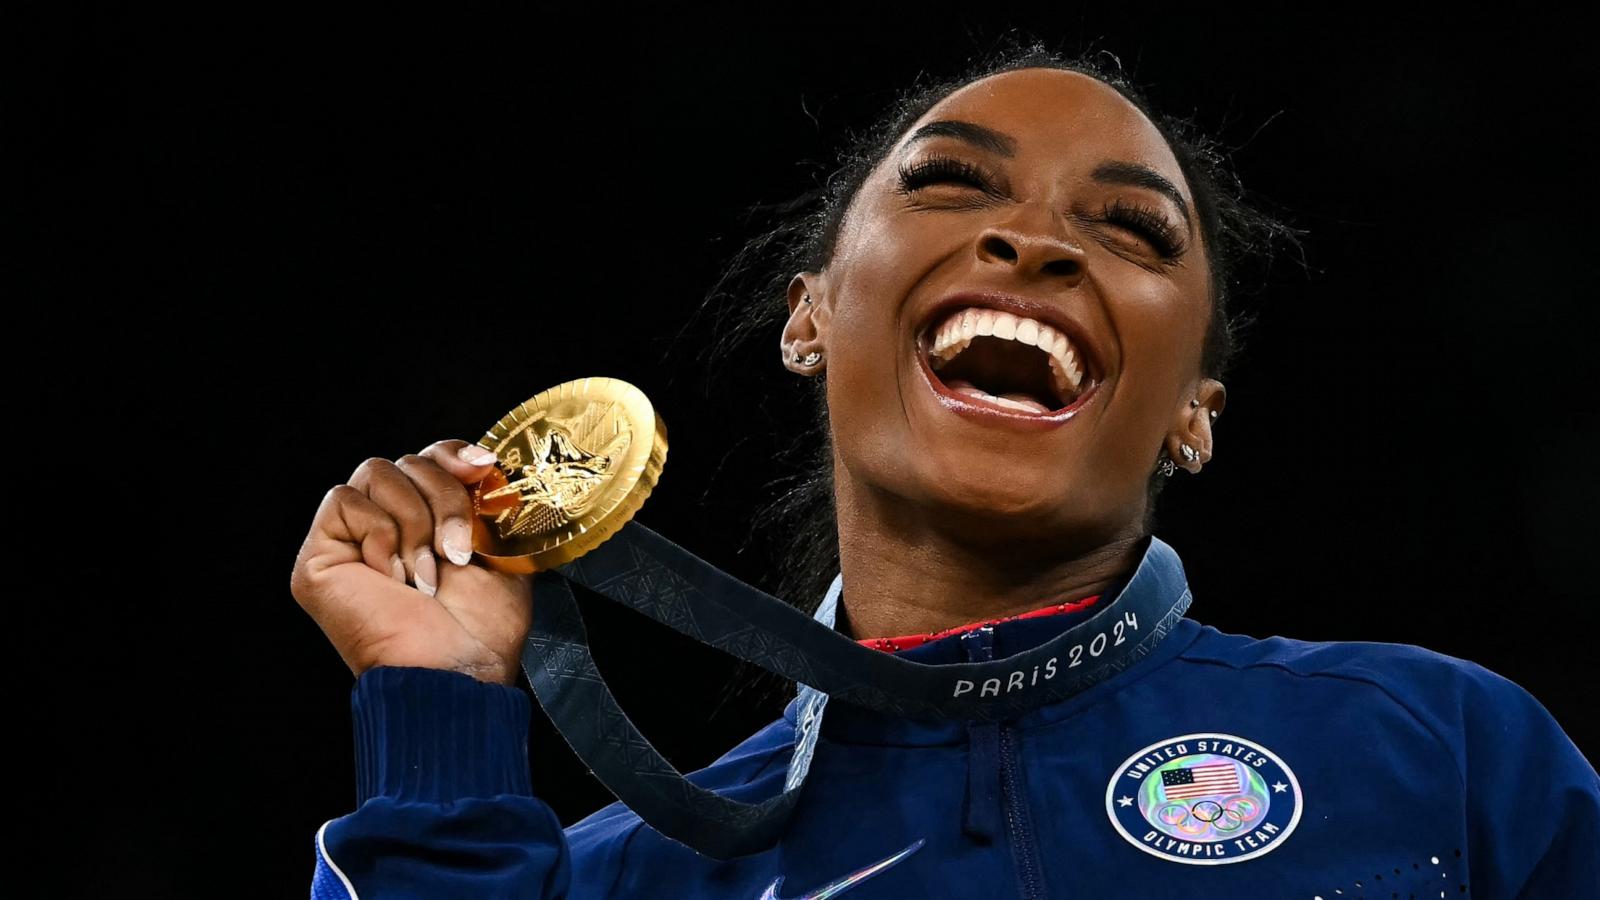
x,y
291,240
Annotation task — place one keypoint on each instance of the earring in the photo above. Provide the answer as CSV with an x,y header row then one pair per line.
x,y
806,299
1189,453
811,358
1193,403
1166,466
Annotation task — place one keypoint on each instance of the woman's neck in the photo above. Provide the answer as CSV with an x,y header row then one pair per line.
x,y
904,576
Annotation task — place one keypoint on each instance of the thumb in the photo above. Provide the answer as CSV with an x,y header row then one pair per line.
x,y
469,463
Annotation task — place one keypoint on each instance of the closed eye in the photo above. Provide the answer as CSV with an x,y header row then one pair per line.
x,y
936,169
1148,223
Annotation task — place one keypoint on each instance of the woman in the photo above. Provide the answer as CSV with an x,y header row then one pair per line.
x,y
1019,298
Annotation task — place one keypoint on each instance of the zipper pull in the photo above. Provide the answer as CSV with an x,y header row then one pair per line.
x,y
981,813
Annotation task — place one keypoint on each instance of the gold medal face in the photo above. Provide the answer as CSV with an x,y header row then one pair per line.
x,y
575,463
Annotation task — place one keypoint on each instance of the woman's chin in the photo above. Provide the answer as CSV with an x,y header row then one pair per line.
x,y
995,497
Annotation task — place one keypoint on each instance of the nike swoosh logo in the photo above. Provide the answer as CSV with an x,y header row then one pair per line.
x,y
845,883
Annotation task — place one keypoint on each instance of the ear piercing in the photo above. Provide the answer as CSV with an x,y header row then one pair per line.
x,y
1166,466
813,357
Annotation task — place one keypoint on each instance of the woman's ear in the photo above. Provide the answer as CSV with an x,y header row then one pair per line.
x,y
1193,425
804,339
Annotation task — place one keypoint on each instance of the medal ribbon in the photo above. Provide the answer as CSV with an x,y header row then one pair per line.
x,y
644,571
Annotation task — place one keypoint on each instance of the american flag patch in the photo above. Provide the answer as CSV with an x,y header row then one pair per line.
x,y
1200,781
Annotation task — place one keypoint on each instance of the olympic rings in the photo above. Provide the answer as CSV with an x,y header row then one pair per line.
x,y
1246,808
1211,818
1173,814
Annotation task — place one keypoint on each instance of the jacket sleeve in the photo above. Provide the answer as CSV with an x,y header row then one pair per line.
x,y
1533,800
444,801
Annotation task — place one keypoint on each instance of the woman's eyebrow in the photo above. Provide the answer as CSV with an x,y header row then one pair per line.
x,y
978,135
1108,172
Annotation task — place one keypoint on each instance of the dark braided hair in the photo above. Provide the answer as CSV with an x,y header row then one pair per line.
x,y
749,300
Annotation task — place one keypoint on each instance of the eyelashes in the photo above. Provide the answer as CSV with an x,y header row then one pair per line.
x,y
1167,237
1147,222
934,169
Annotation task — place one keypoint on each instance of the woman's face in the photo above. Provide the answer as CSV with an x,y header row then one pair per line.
x,y
1043,203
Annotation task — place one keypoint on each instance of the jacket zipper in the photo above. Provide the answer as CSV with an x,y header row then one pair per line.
x,y
979,646
1018,822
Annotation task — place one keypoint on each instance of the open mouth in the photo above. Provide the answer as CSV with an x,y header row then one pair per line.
x,y
1001,359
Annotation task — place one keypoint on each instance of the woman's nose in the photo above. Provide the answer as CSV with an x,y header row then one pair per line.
x,y
1034,242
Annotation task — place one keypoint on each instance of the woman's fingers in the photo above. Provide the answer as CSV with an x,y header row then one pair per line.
x,y
461,464
388,486
425,494
348,516
449,504
469,463
408,519
336,580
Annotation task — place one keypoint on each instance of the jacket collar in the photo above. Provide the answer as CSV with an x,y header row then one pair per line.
x,y
1159,574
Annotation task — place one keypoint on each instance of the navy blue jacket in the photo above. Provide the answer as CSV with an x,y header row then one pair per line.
x,y
1218,765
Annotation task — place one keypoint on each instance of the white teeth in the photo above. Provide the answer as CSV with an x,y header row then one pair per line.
x,y
957,332
1010,401
948,342
1061,351
1005,325
1027,331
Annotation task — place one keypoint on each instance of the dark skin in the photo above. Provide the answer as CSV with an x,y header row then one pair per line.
x,y
943,519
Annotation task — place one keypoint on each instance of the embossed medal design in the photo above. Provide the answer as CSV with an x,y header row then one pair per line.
x,y
574,463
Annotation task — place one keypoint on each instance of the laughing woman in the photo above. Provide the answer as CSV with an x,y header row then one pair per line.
x,y
1014,302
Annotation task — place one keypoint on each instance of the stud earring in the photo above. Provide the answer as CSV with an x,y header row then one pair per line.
x,y
1189,453
807,299
1166,466
811,358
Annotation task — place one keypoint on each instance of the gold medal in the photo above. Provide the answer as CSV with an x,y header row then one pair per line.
x,y
574,464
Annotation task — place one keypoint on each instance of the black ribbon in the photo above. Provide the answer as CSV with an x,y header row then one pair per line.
x,y
650,574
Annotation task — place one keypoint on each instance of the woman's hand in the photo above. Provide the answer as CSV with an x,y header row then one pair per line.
x,y
403,523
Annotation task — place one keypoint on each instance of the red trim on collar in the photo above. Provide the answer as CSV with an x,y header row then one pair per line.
x,y
895,644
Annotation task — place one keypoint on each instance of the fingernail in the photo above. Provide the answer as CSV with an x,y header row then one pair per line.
x,y
457,541
398,567
475,455
427,572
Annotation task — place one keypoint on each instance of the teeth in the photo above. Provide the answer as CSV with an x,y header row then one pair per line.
x,y
1028,331
957,332
1010,401
950,340
986,322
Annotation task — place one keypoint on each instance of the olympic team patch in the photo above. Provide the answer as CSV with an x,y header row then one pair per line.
x,y
1204,799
